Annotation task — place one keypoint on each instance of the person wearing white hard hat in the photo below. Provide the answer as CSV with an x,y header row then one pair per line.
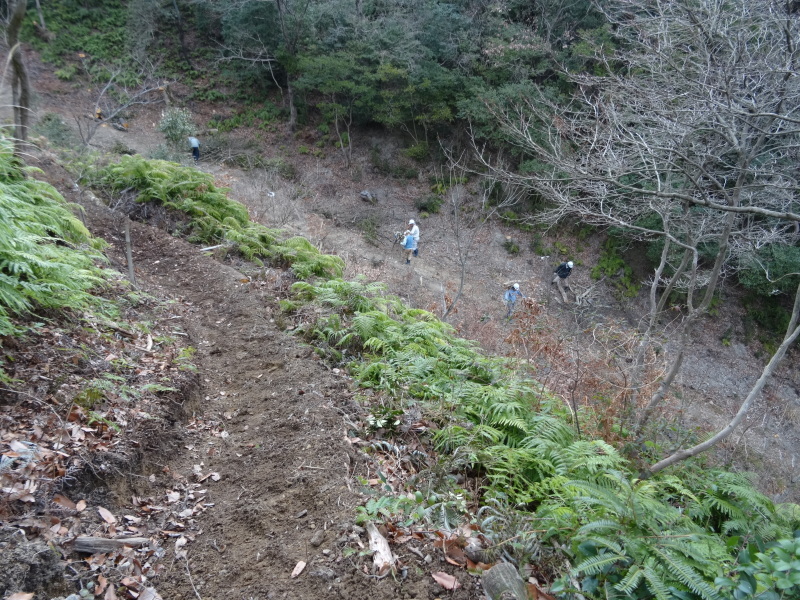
x,y
414,229
510,298
561,273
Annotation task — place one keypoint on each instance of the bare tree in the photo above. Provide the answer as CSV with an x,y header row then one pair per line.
x,y
20,84
691,141
466,217
792,334
116,98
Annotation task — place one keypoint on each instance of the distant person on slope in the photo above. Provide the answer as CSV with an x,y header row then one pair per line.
x,y
195,144
409,245
414,229
561,273
510,298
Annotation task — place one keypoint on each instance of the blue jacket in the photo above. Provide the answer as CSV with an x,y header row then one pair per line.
x,y
409,243
512,295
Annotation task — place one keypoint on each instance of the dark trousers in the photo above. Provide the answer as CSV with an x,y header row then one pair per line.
x,y
196,154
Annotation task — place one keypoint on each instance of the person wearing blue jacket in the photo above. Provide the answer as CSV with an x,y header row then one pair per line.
x,y
510,298
409,245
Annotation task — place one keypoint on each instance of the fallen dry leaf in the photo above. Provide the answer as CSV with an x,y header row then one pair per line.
x,y
149,594
107,516
179,544
65,502
445,580
80,506
102,582
298,569
20,596
454,554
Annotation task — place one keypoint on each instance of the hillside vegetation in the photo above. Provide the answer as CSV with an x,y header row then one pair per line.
x,y
487,444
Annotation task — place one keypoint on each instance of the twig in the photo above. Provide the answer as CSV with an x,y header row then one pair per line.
x,y
189,573
129,252
35,399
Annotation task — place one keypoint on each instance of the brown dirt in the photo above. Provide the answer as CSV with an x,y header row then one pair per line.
x,y
272,418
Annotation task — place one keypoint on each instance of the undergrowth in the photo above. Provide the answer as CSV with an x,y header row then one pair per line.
x,y
213,217
48,259
611,264
671,536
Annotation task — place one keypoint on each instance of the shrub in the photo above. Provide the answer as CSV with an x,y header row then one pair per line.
x,y
369,228
401,171
772,270
52,127
67,73
537,245
212,217
511,247
418,151
176,125
430,204
46,254
280,166
161,152
612,265
768,313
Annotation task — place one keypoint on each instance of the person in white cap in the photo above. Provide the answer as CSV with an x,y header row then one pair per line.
x,y
562,272
414,229
510,298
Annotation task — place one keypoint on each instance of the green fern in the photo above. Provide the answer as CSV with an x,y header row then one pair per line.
x,y
48,259
667,537
213,217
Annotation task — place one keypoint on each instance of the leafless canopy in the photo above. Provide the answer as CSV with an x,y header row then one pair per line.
x,y
697,119
690,135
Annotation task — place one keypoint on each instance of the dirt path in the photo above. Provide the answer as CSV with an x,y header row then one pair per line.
x,y
268,443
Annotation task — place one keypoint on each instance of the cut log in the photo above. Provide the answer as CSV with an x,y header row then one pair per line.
x,y
97,545
503,582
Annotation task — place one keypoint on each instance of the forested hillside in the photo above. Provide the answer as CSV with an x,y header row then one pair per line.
x,y
663,136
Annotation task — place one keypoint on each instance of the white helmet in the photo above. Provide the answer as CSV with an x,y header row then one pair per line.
x,y
411,221
516,286
570,264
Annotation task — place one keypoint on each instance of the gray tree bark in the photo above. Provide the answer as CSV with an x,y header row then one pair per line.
x,y
21,89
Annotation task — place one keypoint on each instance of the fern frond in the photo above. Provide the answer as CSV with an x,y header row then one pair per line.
x,y
596,564
655,582
685,572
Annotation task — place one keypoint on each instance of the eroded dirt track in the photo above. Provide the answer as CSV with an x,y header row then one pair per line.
x,y
270,424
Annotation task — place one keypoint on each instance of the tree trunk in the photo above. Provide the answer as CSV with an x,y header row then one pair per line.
x,y
179,22
41,16
662,390
20,82
292,107
792,333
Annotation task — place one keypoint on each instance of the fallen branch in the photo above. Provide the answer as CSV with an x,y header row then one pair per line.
x,y
129,253
97,545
